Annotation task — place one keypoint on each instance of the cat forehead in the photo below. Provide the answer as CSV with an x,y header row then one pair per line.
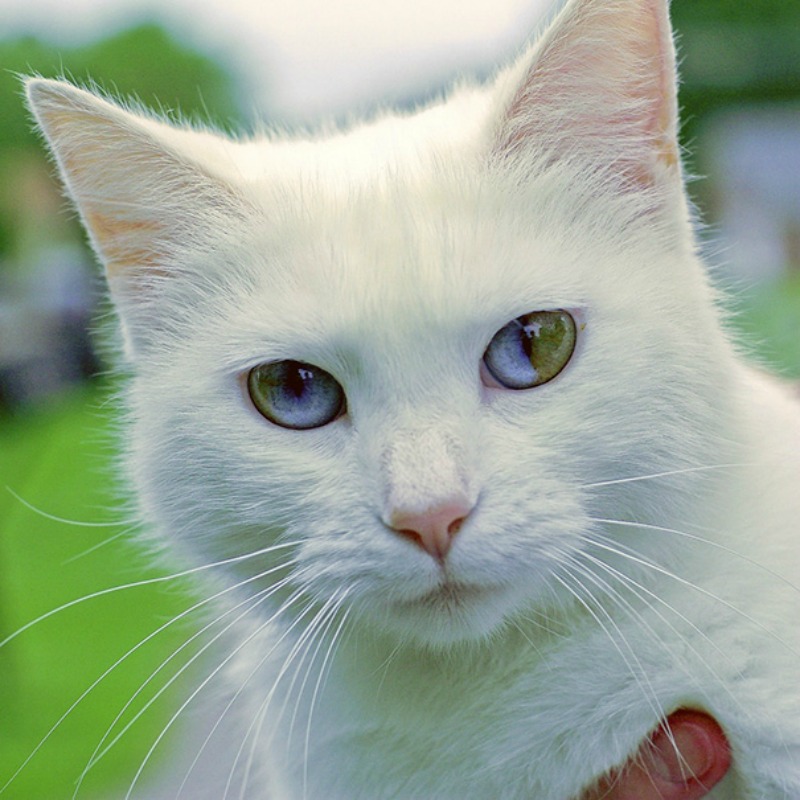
x,y
409,251
352,155
417,264
445,231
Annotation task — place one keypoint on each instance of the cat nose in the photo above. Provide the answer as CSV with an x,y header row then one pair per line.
x,y
433,529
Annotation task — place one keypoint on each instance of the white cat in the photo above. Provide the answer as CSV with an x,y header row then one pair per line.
x,y
448,400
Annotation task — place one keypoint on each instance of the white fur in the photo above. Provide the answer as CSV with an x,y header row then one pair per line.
x,y
389,254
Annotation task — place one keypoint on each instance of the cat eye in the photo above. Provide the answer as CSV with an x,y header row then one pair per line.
x,y
295,395
531,350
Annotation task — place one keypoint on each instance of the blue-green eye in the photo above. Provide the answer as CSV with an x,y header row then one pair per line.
x,y
531,350
295,395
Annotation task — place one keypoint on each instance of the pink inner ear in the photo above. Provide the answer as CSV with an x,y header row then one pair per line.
x,y
126,245
601,88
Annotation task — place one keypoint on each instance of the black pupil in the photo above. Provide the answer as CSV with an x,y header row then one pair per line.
x,y
298,380
526,336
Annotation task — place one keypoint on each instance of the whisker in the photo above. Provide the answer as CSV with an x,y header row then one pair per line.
x,y
545,625
384,667
257,722
320,625
315,632
99,680
133,523
301,647
638,590
253,600
640,677
144,582
265,703
95,547
330,654
609,591
230,704
702,540
666,474
524,634
238,692
207,680
705,592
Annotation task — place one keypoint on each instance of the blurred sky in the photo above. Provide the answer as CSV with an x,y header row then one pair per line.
x,y
302,57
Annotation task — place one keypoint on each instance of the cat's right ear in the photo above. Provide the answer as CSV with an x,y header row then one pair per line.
x,y
146,191
598,90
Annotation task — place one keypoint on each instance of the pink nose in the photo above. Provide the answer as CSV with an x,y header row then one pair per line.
x,y
434,529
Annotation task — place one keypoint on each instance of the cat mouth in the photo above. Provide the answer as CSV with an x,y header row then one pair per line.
x,y
447,596
451,612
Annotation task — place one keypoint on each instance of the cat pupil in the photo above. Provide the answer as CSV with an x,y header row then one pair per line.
x,y
298,382
532,349
295,395
526,339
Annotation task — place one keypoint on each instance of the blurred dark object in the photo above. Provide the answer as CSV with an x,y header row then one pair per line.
x,y
753,152
45,319
740,100
47,278
145,62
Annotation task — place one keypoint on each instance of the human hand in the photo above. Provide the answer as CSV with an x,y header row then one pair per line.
x,y
657,772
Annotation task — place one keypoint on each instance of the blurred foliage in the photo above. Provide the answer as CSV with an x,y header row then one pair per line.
x,y
753,12
60,458
731,53
768,321
734,52
145,62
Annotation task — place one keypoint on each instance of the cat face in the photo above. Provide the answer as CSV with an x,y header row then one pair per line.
x,y
405,365
400,316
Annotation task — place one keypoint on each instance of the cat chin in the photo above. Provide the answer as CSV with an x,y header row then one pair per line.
x,y
449,615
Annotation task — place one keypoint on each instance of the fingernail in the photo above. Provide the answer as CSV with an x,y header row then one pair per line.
x,y
695,748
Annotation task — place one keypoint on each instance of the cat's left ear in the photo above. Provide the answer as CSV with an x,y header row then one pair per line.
x,y
147,192
599,90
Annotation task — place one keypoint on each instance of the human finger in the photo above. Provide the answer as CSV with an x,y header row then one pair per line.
x,y
683,760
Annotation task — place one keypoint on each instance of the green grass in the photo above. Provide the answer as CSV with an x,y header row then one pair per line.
x,y
59,460
769,318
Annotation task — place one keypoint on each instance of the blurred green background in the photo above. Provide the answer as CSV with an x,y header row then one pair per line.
x,y
63,533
